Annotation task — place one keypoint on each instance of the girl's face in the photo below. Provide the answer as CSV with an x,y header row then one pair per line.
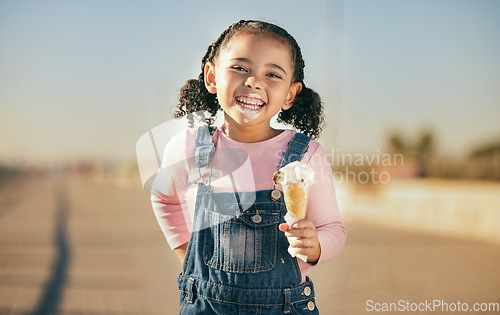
x,y
252,77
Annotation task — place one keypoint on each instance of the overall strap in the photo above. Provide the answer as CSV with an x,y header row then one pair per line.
x,y
296,149
204,146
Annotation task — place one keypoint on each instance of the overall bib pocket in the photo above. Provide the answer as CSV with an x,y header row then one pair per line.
x,y
243,243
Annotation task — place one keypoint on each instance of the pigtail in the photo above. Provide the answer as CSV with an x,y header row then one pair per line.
x,y
306,113
194,97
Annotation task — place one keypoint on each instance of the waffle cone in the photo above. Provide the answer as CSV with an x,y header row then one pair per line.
x,y
296,200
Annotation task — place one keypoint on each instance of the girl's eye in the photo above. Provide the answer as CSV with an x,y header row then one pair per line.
x,y
238,68
274,75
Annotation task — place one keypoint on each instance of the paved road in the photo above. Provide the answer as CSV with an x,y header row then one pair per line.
x,y
79,247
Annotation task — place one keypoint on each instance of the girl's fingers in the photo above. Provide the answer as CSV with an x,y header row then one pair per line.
x,y
301,233
295,242
312,252
303,238
303,224
283,227
300,242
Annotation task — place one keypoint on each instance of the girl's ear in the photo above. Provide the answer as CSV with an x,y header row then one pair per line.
x,y
209,76
295,89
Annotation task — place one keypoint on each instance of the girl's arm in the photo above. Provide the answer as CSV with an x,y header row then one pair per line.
x,y
323,212
168,192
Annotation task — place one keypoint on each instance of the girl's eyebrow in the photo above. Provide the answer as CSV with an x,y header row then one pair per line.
x,y
273,65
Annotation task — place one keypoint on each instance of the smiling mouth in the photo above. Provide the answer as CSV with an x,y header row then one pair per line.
x,y
249,102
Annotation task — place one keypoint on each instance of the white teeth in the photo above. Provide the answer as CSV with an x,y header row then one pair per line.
x,y
250,106
249,103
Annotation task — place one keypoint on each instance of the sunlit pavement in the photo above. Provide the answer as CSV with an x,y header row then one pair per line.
x,y
389,266
117,259
74,246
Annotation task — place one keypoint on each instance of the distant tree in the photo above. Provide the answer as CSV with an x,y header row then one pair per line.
x,y
396,144
422,151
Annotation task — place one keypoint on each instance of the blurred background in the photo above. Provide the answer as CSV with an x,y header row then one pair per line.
x,y
412,101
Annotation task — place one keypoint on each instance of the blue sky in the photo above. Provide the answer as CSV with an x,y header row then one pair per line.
x,y
412,65
85,79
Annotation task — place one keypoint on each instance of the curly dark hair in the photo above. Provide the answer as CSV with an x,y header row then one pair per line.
x,y
306,114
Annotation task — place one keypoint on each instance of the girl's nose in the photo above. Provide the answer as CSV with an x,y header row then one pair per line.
x,y
252,82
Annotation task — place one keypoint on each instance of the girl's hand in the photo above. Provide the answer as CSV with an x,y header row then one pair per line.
x,y
304,239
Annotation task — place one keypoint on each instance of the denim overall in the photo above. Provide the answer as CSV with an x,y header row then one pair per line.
x,y
237,260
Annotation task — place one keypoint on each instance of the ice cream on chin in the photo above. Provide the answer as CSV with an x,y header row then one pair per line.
x,y
295,178
249,105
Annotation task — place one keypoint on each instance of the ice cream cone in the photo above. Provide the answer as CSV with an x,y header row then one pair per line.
x,y
296,199
295,178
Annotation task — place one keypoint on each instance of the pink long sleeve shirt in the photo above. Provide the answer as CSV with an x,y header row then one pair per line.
x,y
238,166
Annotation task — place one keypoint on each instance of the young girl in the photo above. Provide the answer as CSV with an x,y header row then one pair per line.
x,y
234,245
